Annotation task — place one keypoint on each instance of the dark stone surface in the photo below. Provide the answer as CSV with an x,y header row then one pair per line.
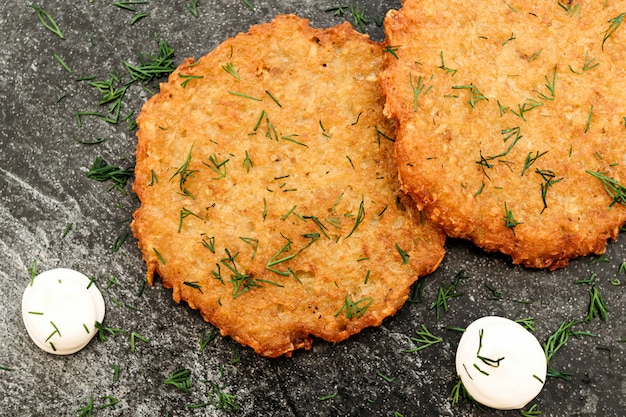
x,y
44,188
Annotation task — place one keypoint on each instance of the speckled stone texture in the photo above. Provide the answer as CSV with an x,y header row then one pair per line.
x,y
52,214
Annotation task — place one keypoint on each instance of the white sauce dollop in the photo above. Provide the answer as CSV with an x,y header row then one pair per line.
x,y
60,308
501,364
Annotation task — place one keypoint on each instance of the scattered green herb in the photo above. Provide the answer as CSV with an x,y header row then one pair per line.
x,y
403,254
558,339
587,66
136,336
327,397
112,402
475,96
616,190
496,294
532,411
184,213
218,398
531,160
615,23
62,63
249,4
277,260
193,8
205,339
550,85
47,21
67,229
391,50
417,89
193,284
180,379
188,78
597,306
425,339
337,10
444,67
358,15
384,377
151,67
509,219
528,323
549,179
359,218
86,411
102,171
354,308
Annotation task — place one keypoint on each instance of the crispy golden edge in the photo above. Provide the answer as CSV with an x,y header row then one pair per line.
x,y
510,52
287,309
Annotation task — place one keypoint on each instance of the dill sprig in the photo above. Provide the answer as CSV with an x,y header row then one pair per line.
x,y
528,105
133,338
359,218
459,392
180,379
587,66
531,160
613,188
561,335
150,66
358,15
597,305
86,411
550,85
184,213
615,23
549,179
443,295
570,9
277,259
354,308
47,21
187,78
249,4
417,89
475,95
217,166
223,400
102,171
205,339
391,50
532,411
62,63
425,339
509,219
193,8
104,331
444,67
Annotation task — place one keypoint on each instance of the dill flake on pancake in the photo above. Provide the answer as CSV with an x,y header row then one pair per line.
x,y
269,198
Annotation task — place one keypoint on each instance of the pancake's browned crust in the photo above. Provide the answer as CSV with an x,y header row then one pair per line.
x,y
506,110
269,198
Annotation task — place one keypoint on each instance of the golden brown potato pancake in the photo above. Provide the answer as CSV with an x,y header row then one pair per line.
x,y
269,198
512,121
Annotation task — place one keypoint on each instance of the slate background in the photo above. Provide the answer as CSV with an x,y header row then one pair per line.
x,y
43,188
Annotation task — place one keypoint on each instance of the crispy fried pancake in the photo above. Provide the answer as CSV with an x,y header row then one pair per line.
x,y
269,197
512,128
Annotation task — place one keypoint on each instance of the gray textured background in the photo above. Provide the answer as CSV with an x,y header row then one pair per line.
x,y
44,188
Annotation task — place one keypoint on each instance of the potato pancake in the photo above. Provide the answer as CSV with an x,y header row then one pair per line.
x,y
512,121
269,198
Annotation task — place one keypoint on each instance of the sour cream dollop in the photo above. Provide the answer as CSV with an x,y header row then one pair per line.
x,y
501,364
60,308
